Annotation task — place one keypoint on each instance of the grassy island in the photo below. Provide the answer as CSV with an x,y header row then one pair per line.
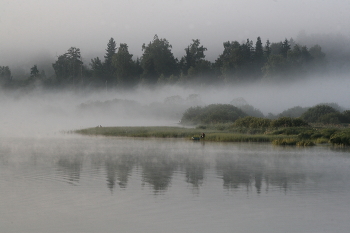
x,y
300,136
226,123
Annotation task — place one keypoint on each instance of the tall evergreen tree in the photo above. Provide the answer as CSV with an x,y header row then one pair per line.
x,y
34,72
110,51
124,66
267,49
259,51
157,60
194,58
68,67
5,75
285,48
109,69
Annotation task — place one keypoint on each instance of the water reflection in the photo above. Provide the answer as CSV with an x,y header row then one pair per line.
x,y
195,171
243,171
70,167
253,168
118,170
157,170
92,183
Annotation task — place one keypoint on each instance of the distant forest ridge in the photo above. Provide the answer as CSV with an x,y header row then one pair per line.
x,y
238,63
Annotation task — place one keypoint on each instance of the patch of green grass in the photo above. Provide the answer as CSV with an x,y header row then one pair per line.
x,y
285,142
341,138
159,132
226,133
234,137
305,143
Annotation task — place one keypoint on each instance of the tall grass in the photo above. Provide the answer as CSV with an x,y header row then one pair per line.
x,y
299,136
159,132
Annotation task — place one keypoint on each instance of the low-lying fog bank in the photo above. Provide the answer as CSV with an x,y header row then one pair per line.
x,y
42,113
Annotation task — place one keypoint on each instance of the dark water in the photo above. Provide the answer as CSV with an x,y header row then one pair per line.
x,y
95,184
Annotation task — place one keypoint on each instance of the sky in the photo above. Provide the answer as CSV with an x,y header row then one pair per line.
x,y
51,27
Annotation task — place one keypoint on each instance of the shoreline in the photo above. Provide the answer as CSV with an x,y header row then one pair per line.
x,y
212,135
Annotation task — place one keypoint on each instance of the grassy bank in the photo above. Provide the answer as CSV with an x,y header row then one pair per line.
x,y
299,136
178,132
154,131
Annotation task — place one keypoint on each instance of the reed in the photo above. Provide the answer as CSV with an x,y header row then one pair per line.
x,y
285,136
159,132
234,137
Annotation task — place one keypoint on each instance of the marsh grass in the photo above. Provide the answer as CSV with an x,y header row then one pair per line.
x,y
158,132
177,132
226,133
234,137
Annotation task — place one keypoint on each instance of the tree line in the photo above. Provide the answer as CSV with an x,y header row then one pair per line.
x,y
239,62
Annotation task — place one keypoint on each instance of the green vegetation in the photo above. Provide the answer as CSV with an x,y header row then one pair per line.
x,y
212,114
299,136
227,123
326,114
159,132
296,111
341,138
238,63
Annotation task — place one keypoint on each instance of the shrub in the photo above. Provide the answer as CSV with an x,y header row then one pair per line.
x,y
346,115
305,143
306,135
252,122
251,111
315,113
341,138
333,105
284,142
290,131
288,122
327,133
332,118
296,111
212,114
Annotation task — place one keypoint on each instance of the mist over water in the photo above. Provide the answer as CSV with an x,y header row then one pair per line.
x,y
44,113
104,184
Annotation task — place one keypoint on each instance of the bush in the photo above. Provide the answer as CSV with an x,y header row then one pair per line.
x,y
327,133
296,111
212,114
252,122
332,118
341,138
285,142
251,111
290,131
305,143
307,134
315,113
288,122
346,115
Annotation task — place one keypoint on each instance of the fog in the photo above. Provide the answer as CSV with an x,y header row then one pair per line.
x,y
37,31
41,113
33,31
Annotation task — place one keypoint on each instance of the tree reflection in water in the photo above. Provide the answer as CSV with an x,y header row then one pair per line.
x,y
158,165
70,167
157,170
194,169
119,169
238,171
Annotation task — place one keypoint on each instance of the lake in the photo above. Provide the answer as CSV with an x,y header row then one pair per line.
x,y
72,183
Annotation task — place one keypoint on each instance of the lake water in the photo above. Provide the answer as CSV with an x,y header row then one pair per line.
x,y
71,183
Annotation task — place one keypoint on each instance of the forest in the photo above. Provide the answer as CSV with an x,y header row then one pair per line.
x,y
239,62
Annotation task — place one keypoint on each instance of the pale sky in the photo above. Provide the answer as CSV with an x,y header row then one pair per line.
x,y
53,26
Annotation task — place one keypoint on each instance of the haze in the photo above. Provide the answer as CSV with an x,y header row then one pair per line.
x,y
53,26
43,114
37,31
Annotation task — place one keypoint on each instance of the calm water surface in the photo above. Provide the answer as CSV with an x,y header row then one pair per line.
x,y
72,183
